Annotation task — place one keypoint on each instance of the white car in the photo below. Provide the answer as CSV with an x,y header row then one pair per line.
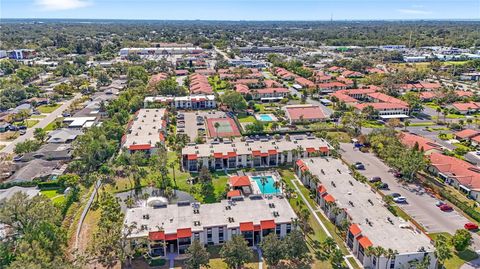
x,y
400,199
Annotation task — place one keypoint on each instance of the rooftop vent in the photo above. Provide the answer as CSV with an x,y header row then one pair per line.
x,y
196,223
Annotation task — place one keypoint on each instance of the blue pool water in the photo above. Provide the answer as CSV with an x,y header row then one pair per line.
x,y
265,117
269,188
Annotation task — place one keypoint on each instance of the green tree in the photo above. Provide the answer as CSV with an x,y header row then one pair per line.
x,y
296,247
63,89
40,134
137,73
26,146
236,252
329,251
234,101
461,240
443,251
413,100
273,250
197,256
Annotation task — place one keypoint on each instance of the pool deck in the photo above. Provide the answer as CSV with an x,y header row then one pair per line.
x,y
272,117
256,189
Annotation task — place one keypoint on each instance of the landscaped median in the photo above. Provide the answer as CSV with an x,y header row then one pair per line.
x,y
458,258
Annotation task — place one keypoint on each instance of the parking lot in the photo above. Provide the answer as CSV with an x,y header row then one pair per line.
x,y
190,124
420,205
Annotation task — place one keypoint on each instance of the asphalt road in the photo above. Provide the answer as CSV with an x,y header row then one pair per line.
x,y
41,124
420,205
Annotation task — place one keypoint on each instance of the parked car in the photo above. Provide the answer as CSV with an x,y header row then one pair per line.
x,y
470,226
394,194
66,114
445,207
22,132
375,179
18,158
383,186
359,166
439,203
22,127
400,199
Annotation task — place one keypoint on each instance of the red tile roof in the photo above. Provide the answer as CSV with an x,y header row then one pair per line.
x,y
332,85
272,90
140,147
304,82
381,106
466,106
271,83
246,226
241,88
464,93
466,174
381,97
424,144
344,98
308,112
467,133
234,193
239,181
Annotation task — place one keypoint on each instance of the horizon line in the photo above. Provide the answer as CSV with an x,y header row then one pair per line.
x,y
256,20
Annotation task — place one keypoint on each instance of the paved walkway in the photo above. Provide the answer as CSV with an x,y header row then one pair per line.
x,y
299,192
85,211
260,258
171,260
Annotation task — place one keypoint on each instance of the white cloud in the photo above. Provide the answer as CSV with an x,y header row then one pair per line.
x,y
62,4
414,11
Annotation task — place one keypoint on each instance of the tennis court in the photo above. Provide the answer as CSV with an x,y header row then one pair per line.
x,y
226,128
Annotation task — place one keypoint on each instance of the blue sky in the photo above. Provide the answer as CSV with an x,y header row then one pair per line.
x,y
242,9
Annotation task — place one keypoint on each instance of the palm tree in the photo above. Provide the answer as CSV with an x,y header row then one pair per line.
x,y
438,113
277,184
216,125
390,254
406,124
172,165
263,181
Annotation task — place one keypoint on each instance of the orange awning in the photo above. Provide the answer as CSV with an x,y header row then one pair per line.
x,y
192,156
140,147
184,233
311,150
364,242
169,237
355,230
267,224
272,152
329,198
324,149
304,168
300,163
321,189
230,155
217,155
257,228
154,236
256,153
246,226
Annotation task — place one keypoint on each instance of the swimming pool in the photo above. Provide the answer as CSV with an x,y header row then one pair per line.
x,y
269,187
265,117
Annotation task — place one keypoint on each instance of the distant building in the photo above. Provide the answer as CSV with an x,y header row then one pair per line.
x,y
265,49
247,63
22,54
184,102
165,51
304,113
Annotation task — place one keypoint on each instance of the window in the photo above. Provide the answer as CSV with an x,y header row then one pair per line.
x,y
209,235
392,263
289,228
278,229
220,235
374,261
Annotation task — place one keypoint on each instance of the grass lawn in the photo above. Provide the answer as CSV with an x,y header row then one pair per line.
x,y
48,108
54,195
458,258
37,116
455,116
217,262
51,125
29,123
446,136
259,108
426,123
2,146
432,106
342,137
246,118
372,124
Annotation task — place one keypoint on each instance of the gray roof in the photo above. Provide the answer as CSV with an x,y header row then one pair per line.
x,y
63,135
34,169
53,151
7,193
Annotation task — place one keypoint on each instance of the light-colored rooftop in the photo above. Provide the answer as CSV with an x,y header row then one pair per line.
x,y
146,127
355,197
174,216
246,147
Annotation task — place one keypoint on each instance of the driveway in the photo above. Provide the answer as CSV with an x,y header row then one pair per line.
x,y
41,124
420,205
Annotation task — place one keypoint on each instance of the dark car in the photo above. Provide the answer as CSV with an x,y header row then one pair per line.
x,y
445,207
22,127
375,179
66,114
359,166
383,186
13,128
